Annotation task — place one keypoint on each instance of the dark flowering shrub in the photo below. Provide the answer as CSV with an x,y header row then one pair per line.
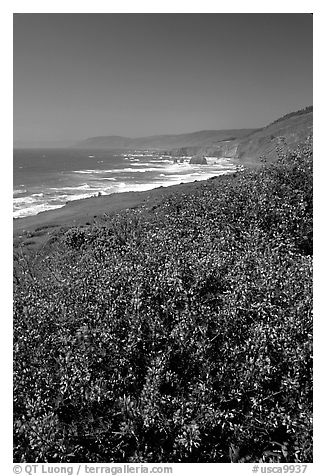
x,y
181,333
75,238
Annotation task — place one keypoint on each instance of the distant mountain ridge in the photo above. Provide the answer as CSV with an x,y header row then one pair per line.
x,y
166,141
247,145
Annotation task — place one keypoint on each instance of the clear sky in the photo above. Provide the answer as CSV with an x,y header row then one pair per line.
x,y
83,75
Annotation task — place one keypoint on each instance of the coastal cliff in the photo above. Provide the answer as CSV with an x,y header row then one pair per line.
x,y
262,144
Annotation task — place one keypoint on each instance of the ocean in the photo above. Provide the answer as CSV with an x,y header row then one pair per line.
x,y
45,179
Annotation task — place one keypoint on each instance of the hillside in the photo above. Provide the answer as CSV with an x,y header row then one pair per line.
x,y
283,134
248,145
194,139
174,332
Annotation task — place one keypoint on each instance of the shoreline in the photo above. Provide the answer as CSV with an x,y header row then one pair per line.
x,y
33,231
71,210
85,211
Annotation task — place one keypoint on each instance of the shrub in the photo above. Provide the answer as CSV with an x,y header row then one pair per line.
x,y
179,334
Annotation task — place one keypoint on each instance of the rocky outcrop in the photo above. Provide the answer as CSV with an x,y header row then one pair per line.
x,y
227,149
198,161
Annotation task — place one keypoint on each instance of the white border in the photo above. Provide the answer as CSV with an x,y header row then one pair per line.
x,y
168,6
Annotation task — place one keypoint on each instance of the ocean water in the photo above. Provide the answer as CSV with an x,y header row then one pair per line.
x,y
45,179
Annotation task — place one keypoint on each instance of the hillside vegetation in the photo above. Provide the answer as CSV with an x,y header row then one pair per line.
x,y
286,132
177,333
306,110
261,144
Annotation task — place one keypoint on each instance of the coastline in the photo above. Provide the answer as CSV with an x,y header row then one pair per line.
x,y
87,210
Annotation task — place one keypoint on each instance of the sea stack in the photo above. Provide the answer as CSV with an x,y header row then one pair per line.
x,y
198,160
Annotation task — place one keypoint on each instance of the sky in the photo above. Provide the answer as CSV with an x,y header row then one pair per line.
x,y
84,75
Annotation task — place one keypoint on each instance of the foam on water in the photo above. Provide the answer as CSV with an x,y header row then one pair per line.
x,y
136,172
35,209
